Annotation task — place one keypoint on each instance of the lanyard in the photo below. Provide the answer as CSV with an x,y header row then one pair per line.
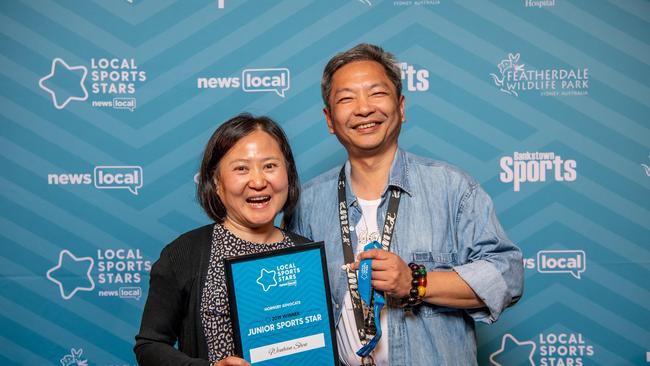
x,y
348,255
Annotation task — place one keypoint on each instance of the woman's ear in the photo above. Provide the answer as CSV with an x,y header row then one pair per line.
x,y
217,185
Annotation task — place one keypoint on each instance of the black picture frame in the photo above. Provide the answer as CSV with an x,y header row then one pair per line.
x,y
262,256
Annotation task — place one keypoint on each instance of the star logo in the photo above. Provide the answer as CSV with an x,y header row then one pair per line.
x,y
46,82
267,279
72,274
514,352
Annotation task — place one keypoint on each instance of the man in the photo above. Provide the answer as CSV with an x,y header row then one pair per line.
x,y
422,211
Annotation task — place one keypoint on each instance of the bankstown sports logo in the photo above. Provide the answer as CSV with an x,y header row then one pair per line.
x,y
275,80
75,358
514,79
129,177
558,349
573,262
118,271
415,80
112,83
532,167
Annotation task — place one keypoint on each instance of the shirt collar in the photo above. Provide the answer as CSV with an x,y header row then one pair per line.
x,y
399,173
398,177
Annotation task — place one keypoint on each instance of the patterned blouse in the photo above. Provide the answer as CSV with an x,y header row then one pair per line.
x,y
215,313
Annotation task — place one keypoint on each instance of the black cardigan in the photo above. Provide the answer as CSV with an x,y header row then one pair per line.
x,y
172,311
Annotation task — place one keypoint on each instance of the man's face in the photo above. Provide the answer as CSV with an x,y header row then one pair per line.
x,y
365,113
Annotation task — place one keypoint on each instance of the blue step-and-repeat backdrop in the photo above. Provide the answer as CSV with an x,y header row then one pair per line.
x,y
106,105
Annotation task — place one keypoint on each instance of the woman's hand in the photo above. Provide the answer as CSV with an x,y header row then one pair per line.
x,y
232,361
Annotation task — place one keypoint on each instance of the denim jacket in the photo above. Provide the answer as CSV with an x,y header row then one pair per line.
x,y
445,222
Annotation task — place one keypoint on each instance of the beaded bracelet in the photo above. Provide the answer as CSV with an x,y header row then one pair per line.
x,y
418,285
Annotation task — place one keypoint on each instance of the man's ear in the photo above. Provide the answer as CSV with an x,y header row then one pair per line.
x,y
402,103
328,119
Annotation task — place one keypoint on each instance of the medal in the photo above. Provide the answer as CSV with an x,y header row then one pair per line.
x,y
367,361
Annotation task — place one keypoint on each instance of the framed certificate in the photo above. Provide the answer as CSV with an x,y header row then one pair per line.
x,y
280,307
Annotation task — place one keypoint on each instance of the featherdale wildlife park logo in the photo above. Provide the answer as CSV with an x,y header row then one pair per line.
x,y
646,168
514,78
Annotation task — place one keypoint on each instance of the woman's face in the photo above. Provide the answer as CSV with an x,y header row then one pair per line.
x,y
252,181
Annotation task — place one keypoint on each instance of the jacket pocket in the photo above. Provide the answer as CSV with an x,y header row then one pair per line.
x,y
435,261
430,310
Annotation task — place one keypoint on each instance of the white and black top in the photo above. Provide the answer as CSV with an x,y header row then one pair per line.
x,y
215,311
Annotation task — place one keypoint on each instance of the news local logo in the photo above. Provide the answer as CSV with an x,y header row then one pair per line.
x,y
274,80
533,167
113,82
573,262
124,103
128,177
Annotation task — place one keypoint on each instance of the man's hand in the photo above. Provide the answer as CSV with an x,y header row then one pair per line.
x,y
389,272
393,276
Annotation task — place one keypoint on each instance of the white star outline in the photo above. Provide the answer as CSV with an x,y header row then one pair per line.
x,y
518,343
60,264
51,74
262,273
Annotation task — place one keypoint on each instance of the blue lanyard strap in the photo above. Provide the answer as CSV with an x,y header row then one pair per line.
x,y
370,296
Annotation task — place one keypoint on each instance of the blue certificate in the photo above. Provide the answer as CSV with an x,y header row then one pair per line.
x,y
280,307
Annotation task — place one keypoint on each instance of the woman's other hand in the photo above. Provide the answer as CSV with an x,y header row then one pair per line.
x,y
232,361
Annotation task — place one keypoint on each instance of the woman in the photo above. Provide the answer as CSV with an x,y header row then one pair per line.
x,y
247,176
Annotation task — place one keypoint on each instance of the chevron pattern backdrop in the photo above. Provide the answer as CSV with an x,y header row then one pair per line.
x,y
106,105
